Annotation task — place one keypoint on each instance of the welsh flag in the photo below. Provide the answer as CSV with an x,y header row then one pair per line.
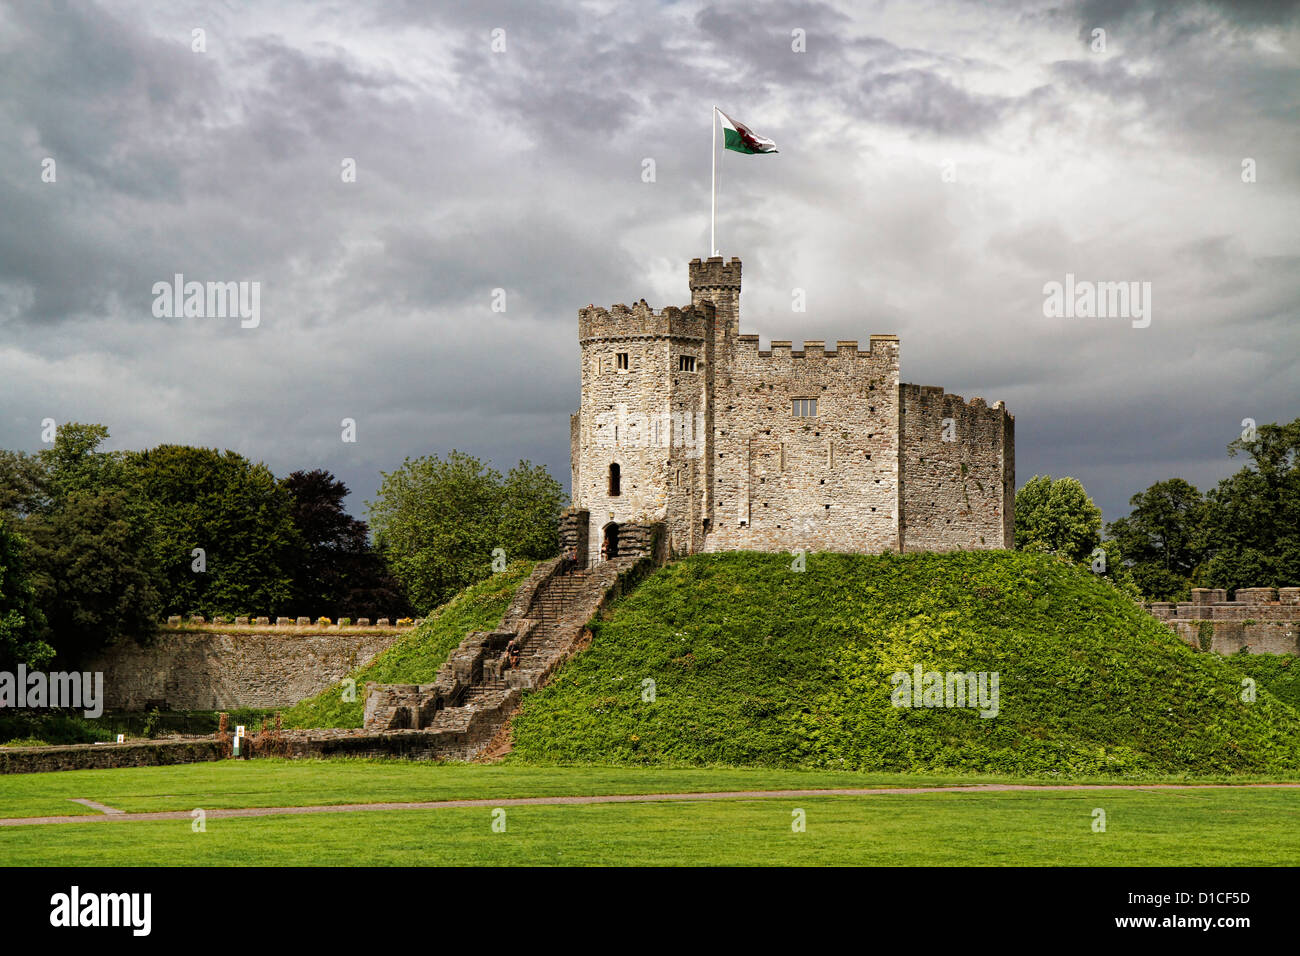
x,y
742,139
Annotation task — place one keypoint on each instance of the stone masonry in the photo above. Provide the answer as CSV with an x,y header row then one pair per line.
x,y
684,421
1258,620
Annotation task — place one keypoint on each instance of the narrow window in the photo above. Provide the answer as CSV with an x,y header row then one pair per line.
x,y
614,481
686,363
622,359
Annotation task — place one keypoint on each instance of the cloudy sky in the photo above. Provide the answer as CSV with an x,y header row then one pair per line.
x,y
940,163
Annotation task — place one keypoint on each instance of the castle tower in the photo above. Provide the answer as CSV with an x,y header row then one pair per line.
x,y
639,438
714,281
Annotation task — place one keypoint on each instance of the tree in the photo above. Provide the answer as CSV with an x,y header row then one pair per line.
x,y
238,517
87,541
1252,519
1163,539
530,514
1057,516
22,484
93,572
338,572
439,521
21,621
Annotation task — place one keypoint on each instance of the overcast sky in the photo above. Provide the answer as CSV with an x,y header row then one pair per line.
x,y
940,163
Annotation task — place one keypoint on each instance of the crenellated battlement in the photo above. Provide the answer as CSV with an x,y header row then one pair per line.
x,y
715,273
927,396
1256,620
622,321
879,345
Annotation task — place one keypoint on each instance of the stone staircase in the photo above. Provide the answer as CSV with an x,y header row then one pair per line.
x,y
476,690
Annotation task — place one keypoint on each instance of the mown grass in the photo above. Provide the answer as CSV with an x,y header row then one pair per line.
x,y
278,782
1147,828
275,782
755,664
415,658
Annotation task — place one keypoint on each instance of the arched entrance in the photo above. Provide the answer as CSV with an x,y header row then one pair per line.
x,y
609,545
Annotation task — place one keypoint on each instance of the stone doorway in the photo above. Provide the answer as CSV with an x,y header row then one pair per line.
x,y
609,547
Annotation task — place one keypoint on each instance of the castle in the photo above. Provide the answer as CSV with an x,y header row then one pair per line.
x,y
686,426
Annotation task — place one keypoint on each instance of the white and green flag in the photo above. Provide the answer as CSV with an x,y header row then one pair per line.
x,y
742,139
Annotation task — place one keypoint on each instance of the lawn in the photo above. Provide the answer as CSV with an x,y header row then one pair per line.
x,y
1202,827
1221,828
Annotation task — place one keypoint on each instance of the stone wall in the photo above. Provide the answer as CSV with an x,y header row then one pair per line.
x,y
136,753
575,524
1257,620
226,666
957,472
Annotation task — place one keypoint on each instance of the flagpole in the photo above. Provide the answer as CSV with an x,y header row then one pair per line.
x,y
713,215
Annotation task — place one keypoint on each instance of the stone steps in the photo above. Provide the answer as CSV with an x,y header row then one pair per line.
x,y
553,621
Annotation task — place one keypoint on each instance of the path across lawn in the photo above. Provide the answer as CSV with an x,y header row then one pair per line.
x,y
117,816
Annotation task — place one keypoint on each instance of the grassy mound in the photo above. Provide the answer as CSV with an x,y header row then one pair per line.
x,y
755,664
416,657
1279,674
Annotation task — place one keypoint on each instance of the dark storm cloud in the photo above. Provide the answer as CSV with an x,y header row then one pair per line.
x,y
522,171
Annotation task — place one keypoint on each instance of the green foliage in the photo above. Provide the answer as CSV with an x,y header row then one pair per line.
x,y
754,664
236,512
1252,519
1279,674
34,728
532,500
439,521
415,657
87,540
95,578
21,621
1162,537
338,573
1057,517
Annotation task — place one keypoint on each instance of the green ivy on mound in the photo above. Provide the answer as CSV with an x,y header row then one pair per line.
x,y
415,658
755,664
1277,673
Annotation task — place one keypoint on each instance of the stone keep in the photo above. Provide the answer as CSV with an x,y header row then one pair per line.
x,y
685,421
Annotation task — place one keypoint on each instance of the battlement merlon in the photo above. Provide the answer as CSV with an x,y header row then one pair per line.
x,y
693,322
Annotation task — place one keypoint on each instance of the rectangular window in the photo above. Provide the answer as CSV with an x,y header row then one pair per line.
x,y
622,360
805,407
686,363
